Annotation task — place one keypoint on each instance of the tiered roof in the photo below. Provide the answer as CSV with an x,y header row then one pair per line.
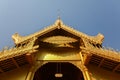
x,y
97,55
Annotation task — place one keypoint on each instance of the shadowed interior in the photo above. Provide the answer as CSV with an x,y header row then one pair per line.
x,y
68,70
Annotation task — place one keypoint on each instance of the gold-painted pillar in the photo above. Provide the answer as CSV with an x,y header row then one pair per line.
x,y
86,73
81,58
85,70
30,73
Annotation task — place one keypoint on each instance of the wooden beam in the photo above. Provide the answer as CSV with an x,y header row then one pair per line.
x,y
1,70
101,62
116,67
87,58
16,64
29,58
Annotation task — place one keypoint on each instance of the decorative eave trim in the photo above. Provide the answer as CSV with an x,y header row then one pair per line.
x,y
96,39
58,25
17,51
105,53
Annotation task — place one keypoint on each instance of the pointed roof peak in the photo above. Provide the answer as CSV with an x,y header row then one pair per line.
x,y
58,22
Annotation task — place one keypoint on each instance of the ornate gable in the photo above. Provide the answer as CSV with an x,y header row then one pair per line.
x,y
58,28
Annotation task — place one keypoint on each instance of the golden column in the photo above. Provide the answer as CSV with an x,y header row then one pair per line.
x,y
84,69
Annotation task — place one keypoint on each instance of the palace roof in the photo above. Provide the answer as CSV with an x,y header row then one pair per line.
x,y
25,45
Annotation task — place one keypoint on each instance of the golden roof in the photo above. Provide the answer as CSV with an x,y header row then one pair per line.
x,y
58,25
102,54
17,51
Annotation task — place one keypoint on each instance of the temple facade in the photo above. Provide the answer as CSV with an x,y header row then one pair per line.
x,y
59,52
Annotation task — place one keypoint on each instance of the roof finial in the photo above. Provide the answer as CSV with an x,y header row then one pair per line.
x,y
58,21
58,14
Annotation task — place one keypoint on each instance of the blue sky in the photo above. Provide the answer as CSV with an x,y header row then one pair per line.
x,y
88,16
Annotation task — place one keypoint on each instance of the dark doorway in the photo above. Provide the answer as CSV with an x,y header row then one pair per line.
x,y
64,71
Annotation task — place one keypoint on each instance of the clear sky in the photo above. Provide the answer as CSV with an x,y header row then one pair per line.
x,y
88,16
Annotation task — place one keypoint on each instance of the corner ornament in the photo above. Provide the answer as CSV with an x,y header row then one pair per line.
x,y
17,38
